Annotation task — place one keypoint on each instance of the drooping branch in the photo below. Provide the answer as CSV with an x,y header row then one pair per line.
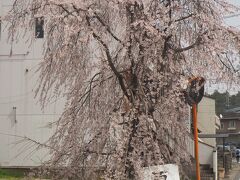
x,y
184,17
231,64
196,43
110,60
107,28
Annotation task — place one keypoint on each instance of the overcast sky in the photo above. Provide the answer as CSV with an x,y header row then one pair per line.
x,y
234,21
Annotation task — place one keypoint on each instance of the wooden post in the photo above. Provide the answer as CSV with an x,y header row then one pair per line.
x,y
194,108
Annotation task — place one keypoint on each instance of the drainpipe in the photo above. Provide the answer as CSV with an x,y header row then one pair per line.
x,y
215,164
224,154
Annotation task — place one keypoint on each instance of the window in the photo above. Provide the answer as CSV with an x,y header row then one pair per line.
x,y
232,125
39,31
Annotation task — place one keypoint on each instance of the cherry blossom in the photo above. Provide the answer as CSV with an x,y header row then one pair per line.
x,y
121,64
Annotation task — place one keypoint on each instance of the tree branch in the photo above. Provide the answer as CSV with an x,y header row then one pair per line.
x,y
109,59
223,62
107,28
197,42
185,17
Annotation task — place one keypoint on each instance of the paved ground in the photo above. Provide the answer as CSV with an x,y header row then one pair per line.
x,y
235,173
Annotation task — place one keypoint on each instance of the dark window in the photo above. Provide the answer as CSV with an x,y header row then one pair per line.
x,y
39,31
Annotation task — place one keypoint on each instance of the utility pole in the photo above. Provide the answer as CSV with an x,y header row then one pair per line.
x,y
196,149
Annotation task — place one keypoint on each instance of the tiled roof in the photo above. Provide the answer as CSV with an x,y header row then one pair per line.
x,y
233,110
233,113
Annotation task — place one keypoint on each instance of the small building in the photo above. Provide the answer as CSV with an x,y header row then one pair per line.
x,y
230,124
207,124
207,120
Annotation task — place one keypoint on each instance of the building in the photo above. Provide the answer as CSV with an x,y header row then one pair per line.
x,y
207,119
230,124
207,124
20,113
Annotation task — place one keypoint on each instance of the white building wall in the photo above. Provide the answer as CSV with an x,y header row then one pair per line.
x,y
18,79
205,154
207,119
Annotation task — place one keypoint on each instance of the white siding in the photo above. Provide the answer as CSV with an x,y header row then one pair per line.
x,y
18,79
207,119
205,154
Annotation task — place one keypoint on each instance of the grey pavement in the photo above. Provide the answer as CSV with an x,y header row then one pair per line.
x,y
234,173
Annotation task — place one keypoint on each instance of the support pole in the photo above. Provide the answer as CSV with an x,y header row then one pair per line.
x,y
194,108
224,166
215,164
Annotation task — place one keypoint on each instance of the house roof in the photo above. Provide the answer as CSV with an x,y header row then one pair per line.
x,y
233,113
233,110
208,96
230,116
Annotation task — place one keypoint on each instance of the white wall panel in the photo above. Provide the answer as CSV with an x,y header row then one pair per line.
x,y
18,79
205,154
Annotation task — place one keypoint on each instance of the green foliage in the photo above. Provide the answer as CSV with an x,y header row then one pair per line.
x,y
235,100
11,174
220,99
225,101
